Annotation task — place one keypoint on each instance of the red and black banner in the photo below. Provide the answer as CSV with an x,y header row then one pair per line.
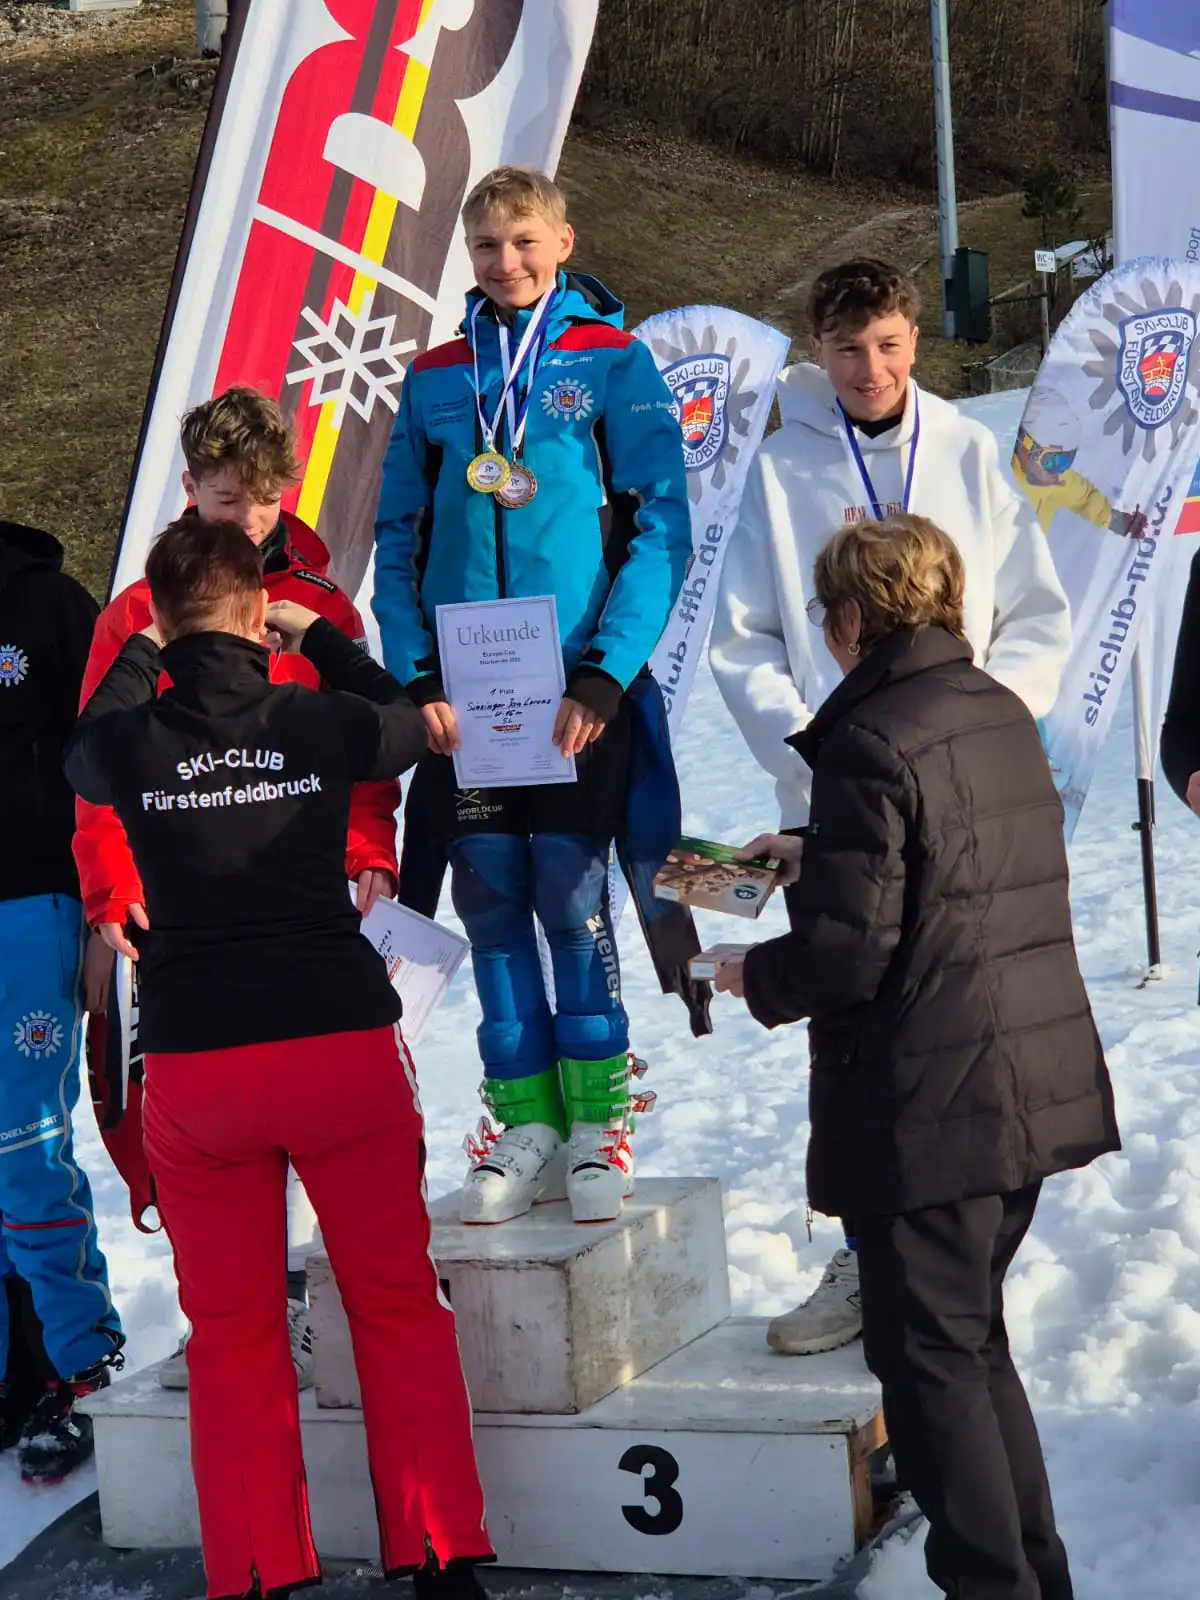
x,y
323,248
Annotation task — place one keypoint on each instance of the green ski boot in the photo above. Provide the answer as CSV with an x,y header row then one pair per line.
x,y
601,1100
523,1163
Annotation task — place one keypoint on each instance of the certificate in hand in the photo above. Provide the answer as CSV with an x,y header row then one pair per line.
x,y
421,959
502,667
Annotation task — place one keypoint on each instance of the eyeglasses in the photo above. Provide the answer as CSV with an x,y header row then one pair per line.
x,y
815,612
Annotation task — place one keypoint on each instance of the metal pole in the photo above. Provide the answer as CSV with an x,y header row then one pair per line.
x,y
1144,827
1144,733
943,117
1144,754
212,18
1044,301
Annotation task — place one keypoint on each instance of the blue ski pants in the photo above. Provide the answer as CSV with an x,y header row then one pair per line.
x,y
499,883
47,1228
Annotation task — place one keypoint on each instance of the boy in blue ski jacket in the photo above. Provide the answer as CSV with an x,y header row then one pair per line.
x,y
588,502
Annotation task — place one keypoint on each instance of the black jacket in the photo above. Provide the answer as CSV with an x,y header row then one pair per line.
x,y
234,794
46,623
1181,726
953,1049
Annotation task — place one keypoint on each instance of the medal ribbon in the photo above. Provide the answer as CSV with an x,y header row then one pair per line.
x,y
518,409
856,456
527,354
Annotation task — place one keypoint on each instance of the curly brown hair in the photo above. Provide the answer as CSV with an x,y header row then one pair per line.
x,y
244,429
849,296
903,571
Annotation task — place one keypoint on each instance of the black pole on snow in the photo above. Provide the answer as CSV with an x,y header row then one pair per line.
x,y
1144,826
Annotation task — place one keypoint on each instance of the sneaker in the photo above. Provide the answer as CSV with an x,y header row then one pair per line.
x,y
56,1438
300,1336
173,1374
512,1171
831,1318
457,1581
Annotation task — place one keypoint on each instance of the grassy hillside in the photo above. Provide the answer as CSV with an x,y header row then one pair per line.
x,y
95,164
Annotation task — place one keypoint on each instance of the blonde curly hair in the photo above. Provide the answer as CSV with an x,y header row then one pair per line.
x,y
902,570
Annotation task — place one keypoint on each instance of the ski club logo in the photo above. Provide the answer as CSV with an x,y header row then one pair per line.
x,y
1152,366
1143,374
38,1034
712,401
700,389
569,402
14,666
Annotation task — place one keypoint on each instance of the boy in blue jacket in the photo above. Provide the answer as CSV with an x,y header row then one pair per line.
x,y
574,486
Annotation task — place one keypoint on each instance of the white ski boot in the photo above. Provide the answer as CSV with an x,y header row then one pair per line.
x,y
601,1106
523,1165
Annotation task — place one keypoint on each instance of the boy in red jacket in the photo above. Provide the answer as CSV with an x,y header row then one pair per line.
x,y
240,459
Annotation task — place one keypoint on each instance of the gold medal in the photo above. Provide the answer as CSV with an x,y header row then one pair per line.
x,y
518,489
488,472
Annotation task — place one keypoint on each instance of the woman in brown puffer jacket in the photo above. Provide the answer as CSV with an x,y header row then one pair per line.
x,y
955,1062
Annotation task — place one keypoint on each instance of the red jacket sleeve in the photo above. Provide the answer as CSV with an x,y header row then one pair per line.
x,y
108,879
371,837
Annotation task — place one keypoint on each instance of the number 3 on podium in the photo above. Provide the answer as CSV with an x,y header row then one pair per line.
x,y
658,1485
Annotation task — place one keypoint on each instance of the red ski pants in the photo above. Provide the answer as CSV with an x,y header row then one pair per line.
x,y
220,1127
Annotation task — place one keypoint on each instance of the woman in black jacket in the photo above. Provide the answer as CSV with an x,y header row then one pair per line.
x,y
270,1031
955,1063
1181,725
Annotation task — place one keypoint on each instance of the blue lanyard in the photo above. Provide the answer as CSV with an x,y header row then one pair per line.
x,y
527,356
861,464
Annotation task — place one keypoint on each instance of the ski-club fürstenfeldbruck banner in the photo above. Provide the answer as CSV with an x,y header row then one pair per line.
x,y
721,368
1154,95
1105,453
322,248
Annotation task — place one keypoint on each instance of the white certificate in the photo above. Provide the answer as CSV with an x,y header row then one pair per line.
x,y
502,668
421,959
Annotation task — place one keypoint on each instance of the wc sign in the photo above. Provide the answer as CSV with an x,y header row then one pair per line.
x,y
322,248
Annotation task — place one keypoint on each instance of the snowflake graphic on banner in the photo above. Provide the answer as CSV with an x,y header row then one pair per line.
x,y
352,359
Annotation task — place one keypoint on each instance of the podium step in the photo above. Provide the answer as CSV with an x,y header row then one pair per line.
x,y
722,1461
552,1315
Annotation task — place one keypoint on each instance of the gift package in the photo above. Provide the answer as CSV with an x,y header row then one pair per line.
x,y
709,877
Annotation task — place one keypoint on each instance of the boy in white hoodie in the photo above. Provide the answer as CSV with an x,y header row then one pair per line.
x,y
860,440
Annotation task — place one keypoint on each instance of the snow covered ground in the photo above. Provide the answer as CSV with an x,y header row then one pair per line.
x,y
1104,1301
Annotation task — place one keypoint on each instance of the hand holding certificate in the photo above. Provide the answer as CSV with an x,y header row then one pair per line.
x,y
421,958
502,666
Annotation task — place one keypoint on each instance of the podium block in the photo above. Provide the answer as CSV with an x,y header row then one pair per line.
x,y
552,1316
723,1461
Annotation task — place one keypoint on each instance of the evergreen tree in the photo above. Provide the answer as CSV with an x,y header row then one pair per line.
x,y
1050,195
